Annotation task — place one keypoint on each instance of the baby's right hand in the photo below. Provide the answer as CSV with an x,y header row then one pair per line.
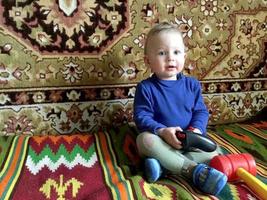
x,y
169,136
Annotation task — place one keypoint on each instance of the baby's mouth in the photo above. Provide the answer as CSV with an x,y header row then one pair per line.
x,y
171,67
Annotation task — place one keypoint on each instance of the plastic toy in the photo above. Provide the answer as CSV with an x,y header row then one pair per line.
x,y
190,139
240,167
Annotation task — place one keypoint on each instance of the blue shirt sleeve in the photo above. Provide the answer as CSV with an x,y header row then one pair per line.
x,y
200,113
144,111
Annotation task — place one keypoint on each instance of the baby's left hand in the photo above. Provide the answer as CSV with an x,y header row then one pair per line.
x,y
195,130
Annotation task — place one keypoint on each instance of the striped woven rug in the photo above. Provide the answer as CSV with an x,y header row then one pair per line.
x,y
105,165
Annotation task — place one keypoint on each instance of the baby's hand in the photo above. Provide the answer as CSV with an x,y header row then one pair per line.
x,y
195,130
169,136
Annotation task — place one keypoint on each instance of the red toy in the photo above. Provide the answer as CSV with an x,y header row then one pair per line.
x,y
240,166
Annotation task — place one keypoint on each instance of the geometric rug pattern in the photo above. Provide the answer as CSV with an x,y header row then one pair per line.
x,y
71,66
106,165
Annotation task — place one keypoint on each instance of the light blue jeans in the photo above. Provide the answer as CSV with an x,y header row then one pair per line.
x,y
151,145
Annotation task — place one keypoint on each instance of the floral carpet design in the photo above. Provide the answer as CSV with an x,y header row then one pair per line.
x,y
66,27
71,66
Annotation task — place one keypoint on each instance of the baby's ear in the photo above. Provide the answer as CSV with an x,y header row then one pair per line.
x,y
185,55
146,60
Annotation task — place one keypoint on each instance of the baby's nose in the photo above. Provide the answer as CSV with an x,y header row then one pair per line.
x,y
170,56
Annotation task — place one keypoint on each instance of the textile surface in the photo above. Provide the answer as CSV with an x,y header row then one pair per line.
x,y
72,65
106,166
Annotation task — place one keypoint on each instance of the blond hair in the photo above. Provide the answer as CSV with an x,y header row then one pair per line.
x,y
159,28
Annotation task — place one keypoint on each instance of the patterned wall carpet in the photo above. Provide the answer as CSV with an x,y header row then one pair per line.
x,y
72,65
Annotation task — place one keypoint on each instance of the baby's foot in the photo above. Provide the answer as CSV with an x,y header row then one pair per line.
x,y
209,180
153,170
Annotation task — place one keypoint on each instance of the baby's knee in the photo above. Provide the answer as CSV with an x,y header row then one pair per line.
x,y
146,141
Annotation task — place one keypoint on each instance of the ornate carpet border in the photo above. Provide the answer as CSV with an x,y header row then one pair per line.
x,y
104,93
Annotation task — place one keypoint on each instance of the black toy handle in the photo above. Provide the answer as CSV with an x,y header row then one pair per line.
x,y
190,139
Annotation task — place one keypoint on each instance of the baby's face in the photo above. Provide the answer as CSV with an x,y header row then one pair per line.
x,y
166,55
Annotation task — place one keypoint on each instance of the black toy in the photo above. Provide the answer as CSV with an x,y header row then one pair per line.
x,y
191,140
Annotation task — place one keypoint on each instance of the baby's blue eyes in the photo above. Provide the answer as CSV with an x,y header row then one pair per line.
x,y
163,53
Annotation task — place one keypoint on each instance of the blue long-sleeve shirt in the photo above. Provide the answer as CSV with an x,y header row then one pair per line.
x,y
166,103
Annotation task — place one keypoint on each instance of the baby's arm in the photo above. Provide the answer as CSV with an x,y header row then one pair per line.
x,y
144,111
144,118
200,113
